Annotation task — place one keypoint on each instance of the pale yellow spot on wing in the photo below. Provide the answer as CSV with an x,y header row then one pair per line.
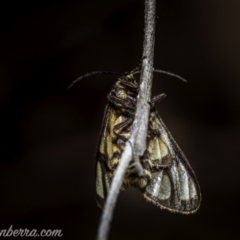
x,y
163,146
109,146
126,134
99,183
157,147
165,188
117,148
110,134
154,149
102,144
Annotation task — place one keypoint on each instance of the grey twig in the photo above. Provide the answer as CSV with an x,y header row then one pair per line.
x,y
140,124
136,144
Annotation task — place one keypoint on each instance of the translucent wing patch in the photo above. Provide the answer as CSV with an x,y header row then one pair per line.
x,y
174,188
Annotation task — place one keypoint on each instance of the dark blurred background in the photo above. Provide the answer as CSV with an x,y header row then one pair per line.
x,y
49,135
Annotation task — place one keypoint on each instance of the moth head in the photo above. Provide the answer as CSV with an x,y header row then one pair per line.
x,y
130,77
128,82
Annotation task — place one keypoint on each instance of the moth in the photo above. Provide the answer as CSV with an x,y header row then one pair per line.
x,y
169,182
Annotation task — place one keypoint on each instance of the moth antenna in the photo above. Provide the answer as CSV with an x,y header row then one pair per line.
x,y
170,74
90,74
133,72
136,71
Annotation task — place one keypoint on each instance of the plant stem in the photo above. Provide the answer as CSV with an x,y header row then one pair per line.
x,y
136,144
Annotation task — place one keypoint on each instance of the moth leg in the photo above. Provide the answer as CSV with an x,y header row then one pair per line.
x,y
115,159
126,107
128,83
146,161
123,125
116,100
119,142
158,98
119,128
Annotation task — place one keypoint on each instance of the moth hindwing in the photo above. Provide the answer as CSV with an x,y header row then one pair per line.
x,y
169,181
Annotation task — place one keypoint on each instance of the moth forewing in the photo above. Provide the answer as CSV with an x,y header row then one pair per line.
x,y
103,180
158,147
174,188
114,134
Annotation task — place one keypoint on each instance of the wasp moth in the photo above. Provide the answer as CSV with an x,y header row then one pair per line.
x,y
169,181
